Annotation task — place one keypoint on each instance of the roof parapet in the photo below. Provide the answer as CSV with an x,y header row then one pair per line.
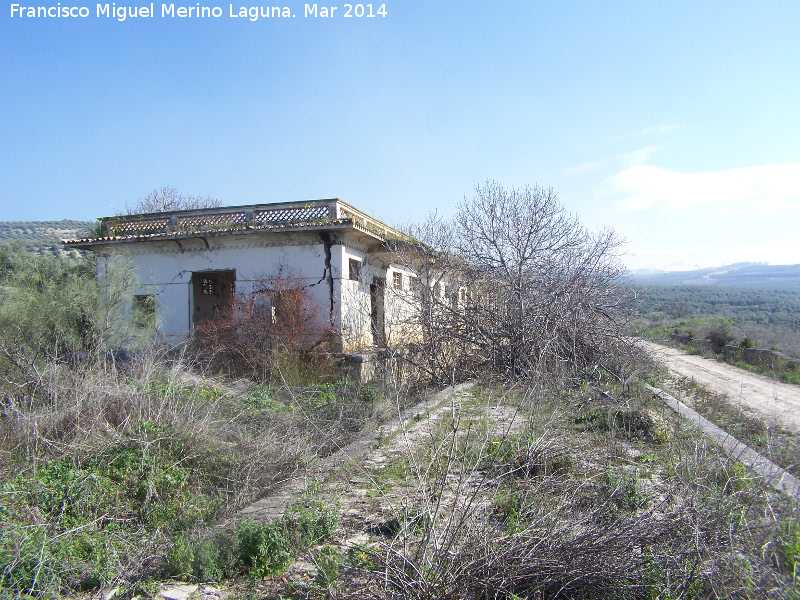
x,y
237,218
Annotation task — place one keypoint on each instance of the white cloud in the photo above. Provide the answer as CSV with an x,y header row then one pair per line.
x,y
629,159
766,189
643,132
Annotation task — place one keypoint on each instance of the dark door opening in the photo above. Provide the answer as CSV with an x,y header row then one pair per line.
x,y
212,292
377,314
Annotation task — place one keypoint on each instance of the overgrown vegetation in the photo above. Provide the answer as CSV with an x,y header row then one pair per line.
x,y
260,549
516,288
558,477
271,334
109,459
586,493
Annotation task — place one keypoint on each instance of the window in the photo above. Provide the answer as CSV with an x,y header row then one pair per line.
x,y
355,269
397,280
413,283
144,311
208,286
441,289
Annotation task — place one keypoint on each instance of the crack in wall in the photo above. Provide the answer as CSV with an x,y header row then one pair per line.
x,y
328,243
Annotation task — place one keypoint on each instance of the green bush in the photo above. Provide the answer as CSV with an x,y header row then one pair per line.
x,y
309,523
622,492
719,333
214,558
788,545
53,308
263,547
180,558
370,394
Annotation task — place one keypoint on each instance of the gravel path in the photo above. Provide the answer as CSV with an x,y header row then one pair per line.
x,y
775,402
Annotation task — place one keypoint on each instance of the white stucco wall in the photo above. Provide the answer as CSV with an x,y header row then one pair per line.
x,y
164,269
355,295
401,307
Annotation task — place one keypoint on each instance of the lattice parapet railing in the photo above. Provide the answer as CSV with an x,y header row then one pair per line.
x,y
293,215
221,219
258,215
138,226
211,221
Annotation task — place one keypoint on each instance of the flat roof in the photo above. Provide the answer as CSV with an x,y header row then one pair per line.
x,y
310,215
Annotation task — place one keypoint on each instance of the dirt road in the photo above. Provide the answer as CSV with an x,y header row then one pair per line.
x,y
771,399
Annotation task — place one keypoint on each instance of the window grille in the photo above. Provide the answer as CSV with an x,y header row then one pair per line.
x,y
355,269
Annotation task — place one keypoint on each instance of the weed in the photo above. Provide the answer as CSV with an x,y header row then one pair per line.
x,y
328,564
263,547
370,394
622,491
263,398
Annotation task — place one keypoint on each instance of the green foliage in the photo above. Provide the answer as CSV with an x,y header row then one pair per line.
x,y
742,305
328,564
262,397
630,424
310,522
263,547
370,394
43,237
622,491
216,558
719,333
48,305
258,548
54,309
68,518
503,449
510,504
180,558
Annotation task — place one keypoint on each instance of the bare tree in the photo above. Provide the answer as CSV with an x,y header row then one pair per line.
x,y
515,285
169,198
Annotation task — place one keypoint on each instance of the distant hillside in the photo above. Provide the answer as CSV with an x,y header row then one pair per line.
x,y
44,237
753,275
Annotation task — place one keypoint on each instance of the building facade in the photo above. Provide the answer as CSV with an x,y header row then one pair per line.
x,y
190,264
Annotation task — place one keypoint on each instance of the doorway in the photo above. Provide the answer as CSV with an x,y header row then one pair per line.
x,y
377,313
212,292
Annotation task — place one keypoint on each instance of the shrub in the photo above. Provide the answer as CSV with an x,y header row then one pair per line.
x,y
263,547
719,333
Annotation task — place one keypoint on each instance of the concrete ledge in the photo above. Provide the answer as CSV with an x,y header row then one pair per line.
x,y
777,477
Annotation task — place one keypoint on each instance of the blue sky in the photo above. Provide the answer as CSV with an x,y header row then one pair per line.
x,y
675,123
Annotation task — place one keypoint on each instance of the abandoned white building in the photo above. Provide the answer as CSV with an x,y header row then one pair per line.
x,y
189,264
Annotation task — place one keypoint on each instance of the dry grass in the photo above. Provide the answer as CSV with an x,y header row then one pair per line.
x,y
113,459
568,508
